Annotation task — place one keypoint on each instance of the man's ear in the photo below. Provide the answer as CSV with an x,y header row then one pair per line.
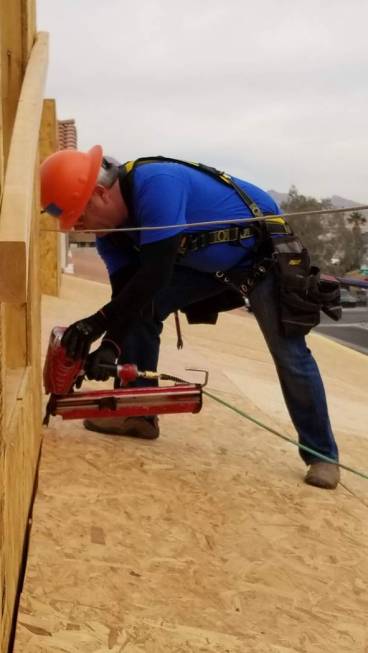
x,y
101,192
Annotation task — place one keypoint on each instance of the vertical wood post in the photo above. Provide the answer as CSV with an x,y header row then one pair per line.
x,y
50,268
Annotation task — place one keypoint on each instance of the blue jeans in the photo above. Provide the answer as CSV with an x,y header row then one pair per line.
x,y
297,370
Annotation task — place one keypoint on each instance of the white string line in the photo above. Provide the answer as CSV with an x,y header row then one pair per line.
x,y
188,225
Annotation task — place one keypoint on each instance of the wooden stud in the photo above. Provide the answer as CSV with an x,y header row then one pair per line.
x,y
18,189
49,241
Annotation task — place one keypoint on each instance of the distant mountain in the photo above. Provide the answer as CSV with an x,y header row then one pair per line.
x,y
336,201
341,202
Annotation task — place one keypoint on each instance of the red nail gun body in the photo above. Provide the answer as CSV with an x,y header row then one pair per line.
x,y
60,372
60,375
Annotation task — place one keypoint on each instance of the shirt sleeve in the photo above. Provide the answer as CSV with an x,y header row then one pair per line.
x,y
161,202
154,273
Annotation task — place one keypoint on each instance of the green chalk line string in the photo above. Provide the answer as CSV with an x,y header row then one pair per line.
x,y
284,437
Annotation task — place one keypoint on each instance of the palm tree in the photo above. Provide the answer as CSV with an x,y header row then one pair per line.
x,y
357,219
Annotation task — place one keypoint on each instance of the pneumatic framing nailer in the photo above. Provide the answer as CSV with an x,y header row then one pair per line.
x,y
61,375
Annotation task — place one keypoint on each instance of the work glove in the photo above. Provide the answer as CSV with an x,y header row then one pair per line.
x,y
79,336
106,354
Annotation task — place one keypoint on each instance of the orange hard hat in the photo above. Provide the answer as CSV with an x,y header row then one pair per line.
x,y
68,178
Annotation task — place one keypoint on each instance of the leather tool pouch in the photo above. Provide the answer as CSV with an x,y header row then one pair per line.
x,y
302,294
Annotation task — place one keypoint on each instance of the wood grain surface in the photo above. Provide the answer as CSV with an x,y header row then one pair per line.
x,y
206,540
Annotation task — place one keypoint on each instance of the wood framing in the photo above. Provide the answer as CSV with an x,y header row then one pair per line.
x,y
23,63
49,240
17,207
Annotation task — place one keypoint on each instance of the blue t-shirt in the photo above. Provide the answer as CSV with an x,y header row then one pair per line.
x,y
174,194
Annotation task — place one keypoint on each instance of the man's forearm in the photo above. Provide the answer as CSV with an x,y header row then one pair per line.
x,y
155,272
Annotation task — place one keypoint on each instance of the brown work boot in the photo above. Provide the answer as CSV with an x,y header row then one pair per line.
x,y
146,428
325,475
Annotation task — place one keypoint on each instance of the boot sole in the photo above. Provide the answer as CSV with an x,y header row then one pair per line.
x,y
133,432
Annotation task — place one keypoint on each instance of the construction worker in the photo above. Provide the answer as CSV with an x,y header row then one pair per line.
x,y
198,270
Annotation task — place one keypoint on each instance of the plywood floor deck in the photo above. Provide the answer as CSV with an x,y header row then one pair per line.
x,y
205,540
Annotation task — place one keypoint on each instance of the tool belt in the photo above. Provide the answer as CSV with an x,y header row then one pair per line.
x,y
302,292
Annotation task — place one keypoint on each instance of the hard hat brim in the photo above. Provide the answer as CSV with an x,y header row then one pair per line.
x,y
68,220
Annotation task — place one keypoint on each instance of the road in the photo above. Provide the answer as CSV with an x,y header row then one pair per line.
x,y
351,330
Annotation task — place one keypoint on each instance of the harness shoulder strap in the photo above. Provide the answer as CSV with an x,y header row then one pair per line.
x,y
222,177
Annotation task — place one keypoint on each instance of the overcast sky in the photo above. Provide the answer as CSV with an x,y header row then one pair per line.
x,y
274,91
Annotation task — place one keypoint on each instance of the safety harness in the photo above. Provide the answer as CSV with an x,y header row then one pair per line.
x,y
302,295
192,242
